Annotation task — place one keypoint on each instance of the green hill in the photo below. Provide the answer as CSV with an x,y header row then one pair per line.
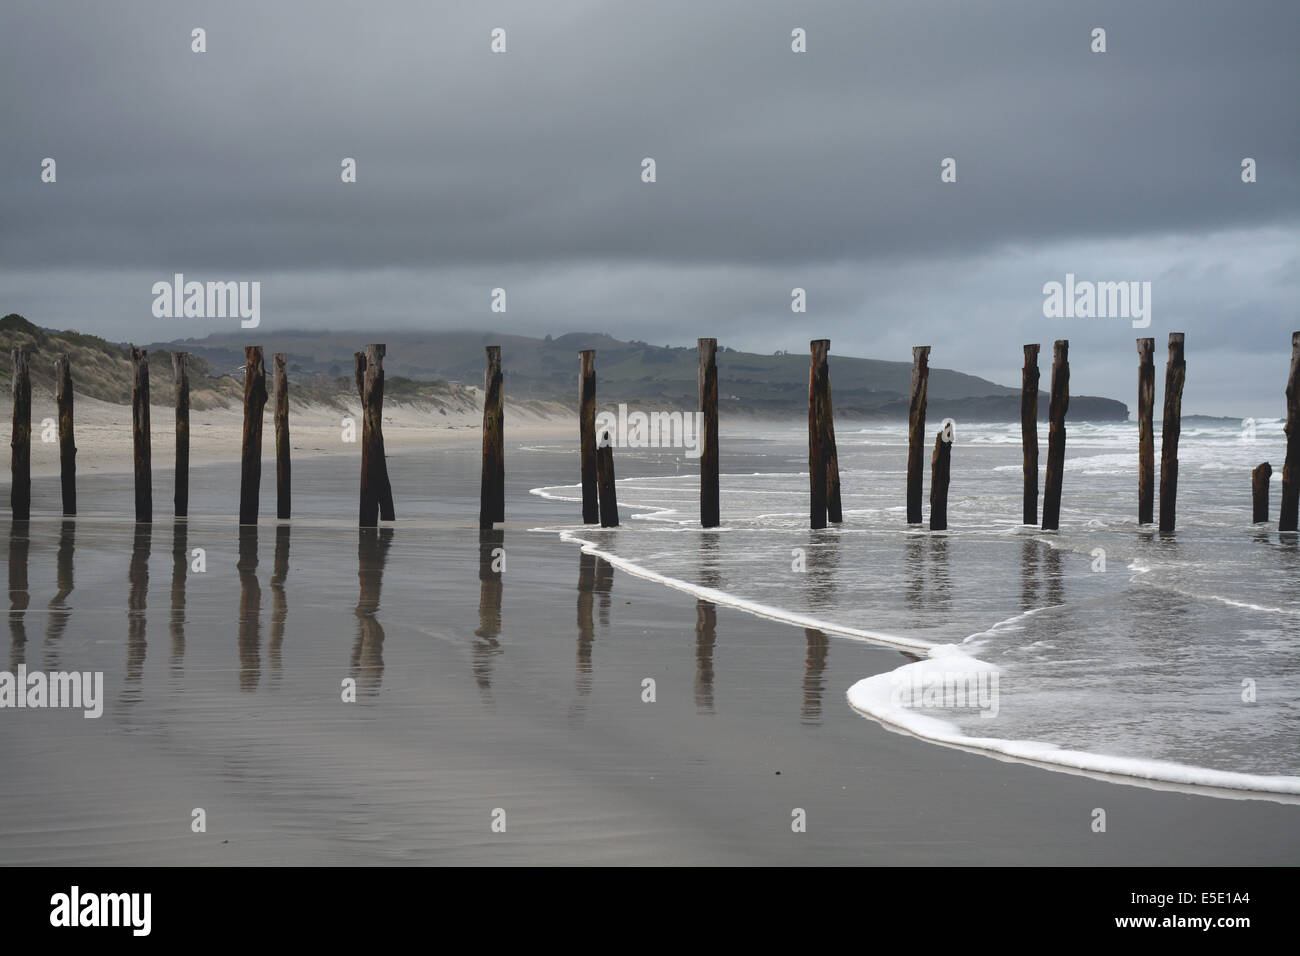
x,y
547,369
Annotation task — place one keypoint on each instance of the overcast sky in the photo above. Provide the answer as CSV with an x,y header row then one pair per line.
x,y
775,169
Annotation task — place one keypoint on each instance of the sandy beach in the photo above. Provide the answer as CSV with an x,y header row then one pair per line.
x,y
483,696
104,442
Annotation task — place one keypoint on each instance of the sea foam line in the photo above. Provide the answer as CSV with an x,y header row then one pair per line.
x,y
728,599
874,697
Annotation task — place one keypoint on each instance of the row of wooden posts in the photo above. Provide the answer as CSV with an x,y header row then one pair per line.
x,y
823,462
376,490
599,503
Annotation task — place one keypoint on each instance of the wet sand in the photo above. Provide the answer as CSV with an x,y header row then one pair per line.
x,y
480,691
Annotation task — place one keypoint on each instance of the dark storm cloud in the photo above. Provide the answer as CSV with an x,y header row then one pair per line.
x,y
774,169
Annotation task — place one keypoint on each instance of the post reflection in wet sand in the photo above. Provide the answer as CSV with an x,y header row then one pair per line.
x,y
1053,576
60,611
586,624
914,575
180,568
19,597
137,602
927,576
823,564
279,602
814,684
368,650
706,636
595,577
1029,549
491,571
710,560
940,575
250,610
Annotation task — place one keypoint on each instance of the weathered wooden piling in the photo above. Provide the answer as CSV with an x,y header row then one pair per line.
x,y
1146,433
283,485
916,430
817,458
940,462
710,508
1029,431
1259,479
1170,428
587,434
834,513
140,435
492,488
1290,510
369,369
181,376
67,443
1058,404
250,471
605,480
20,457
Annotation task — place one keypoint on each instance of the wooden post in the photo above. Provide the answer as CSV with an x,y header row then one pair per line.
x,y
140,435
376,492
1029,431
710,509
817,464
916,430
1170,428
492,488
283,485
605,480
940,462
1259,492
20,458
379,470
1290,511
250,472
1146,434
587,434
181,375
823,462
67,444
1057,406
834,514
